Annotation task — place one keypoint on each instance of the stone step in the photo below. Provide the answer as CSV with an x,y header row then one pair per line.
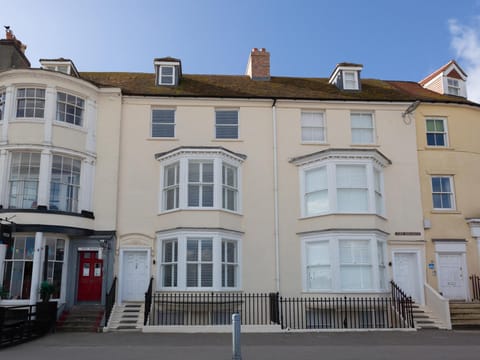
x,y
464,305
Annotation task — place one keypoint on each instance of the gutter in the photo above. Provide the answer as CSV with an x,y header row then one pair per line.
x,y
275,196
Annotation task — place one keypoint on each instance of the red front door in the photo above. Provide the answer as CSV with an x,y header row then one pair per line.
x,y
90,274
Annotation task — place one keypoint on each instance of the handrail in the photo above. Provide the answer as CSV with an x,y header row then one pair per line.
x,y
403,303
110,300
438,305
148,301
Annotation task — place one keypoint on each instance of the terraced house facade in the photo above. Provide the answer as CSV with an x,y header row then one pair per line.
x,y
217,184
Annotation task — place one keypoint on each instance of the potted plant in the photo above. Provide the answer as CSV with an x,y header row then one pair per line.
x,y
46,291
46,310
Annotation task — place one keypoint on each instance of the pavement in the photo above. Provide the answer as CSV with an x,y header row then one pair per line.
x,y
391,345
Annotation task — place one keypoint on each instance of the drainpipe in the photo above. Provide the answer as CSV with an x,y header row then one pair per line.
x,y
275,196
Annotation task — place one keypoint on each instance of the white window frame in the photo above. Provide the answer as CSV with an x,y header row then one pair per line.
x,y
160,81
444,133
170,124
371,163
237,125
78,107
322,127
55,260
218,158
21,182
350,84
451,193
72,203
218,238
175,187
201,184
334,239
454,87
373,128
34,98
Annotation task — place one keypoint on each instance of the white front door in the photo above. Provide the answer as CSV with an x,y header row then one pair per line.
x,y
135,275
406,274
451,276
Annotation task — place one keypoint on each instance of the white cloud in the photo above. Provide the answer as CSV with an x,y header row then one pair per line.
x,y
466,44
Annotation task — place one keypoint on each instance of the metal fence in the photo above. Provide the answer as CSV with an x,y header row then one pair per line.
x,y
288,312
19,324
475,282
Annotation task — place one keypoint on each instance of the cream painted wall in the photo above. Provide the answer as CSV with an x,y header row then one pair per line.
x,y
395,139
195,119
461,159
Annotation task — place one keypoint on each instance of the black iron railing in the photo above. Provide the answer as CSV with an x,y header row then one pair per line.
x,y
475,281
340,313
402,303
287,312
209,308
110,300
19,324
148,302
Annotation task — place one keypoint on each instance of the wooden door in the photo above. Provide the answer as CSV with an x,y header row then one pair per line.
x,y
90,276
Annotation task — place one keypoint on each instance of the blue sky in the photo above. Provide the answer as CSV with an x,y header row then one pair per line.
x,y
394,40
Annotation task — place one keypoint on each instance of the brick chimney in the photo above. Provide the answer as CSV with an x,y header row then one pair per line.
x,y
12,52
258,67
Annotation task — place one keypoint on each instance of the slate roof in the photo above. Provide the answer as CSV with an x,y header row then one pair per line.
x,y
240,86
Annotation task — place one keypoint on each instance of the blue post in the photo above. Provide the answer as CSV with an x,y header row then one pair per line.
x,y
236,345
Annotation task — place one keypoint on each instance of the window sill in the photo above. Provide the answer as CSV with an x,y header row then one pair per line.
x,y
169,290
446,211
439,148
306,217
162,138
227,140
375,145
314,143
27,120
164,212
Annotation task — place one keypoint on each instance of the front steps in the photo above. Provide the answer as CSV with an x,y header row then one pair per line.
x,y
465,315
81,318
126,317
424,319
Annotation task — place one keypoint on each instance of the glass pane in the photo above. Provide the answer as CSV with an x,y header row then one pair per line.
x,y
318,253
168,251
446,184
439,139
352,200
430,125
193,195
312,119
351,176
193,172
231,276
51,248
231,253
229,117
29,248
317,202
436,184
439,126
170,199
19,251
319,277
17,278
356,277
206,250
207,172
207,275
207,195
192,250
446,201
60,251
362,121
192,275
316,179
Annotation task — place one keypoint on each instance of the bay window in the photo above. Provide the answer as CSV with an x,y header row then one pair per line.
x,y
342,181
30,103
200,179
343,262
24,177
199,260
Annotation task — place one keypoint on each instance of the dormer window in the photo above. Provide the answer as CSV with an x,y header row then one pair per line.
x,y
450,79
453,87
64,66
350,80
346,76
167,75
168,70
